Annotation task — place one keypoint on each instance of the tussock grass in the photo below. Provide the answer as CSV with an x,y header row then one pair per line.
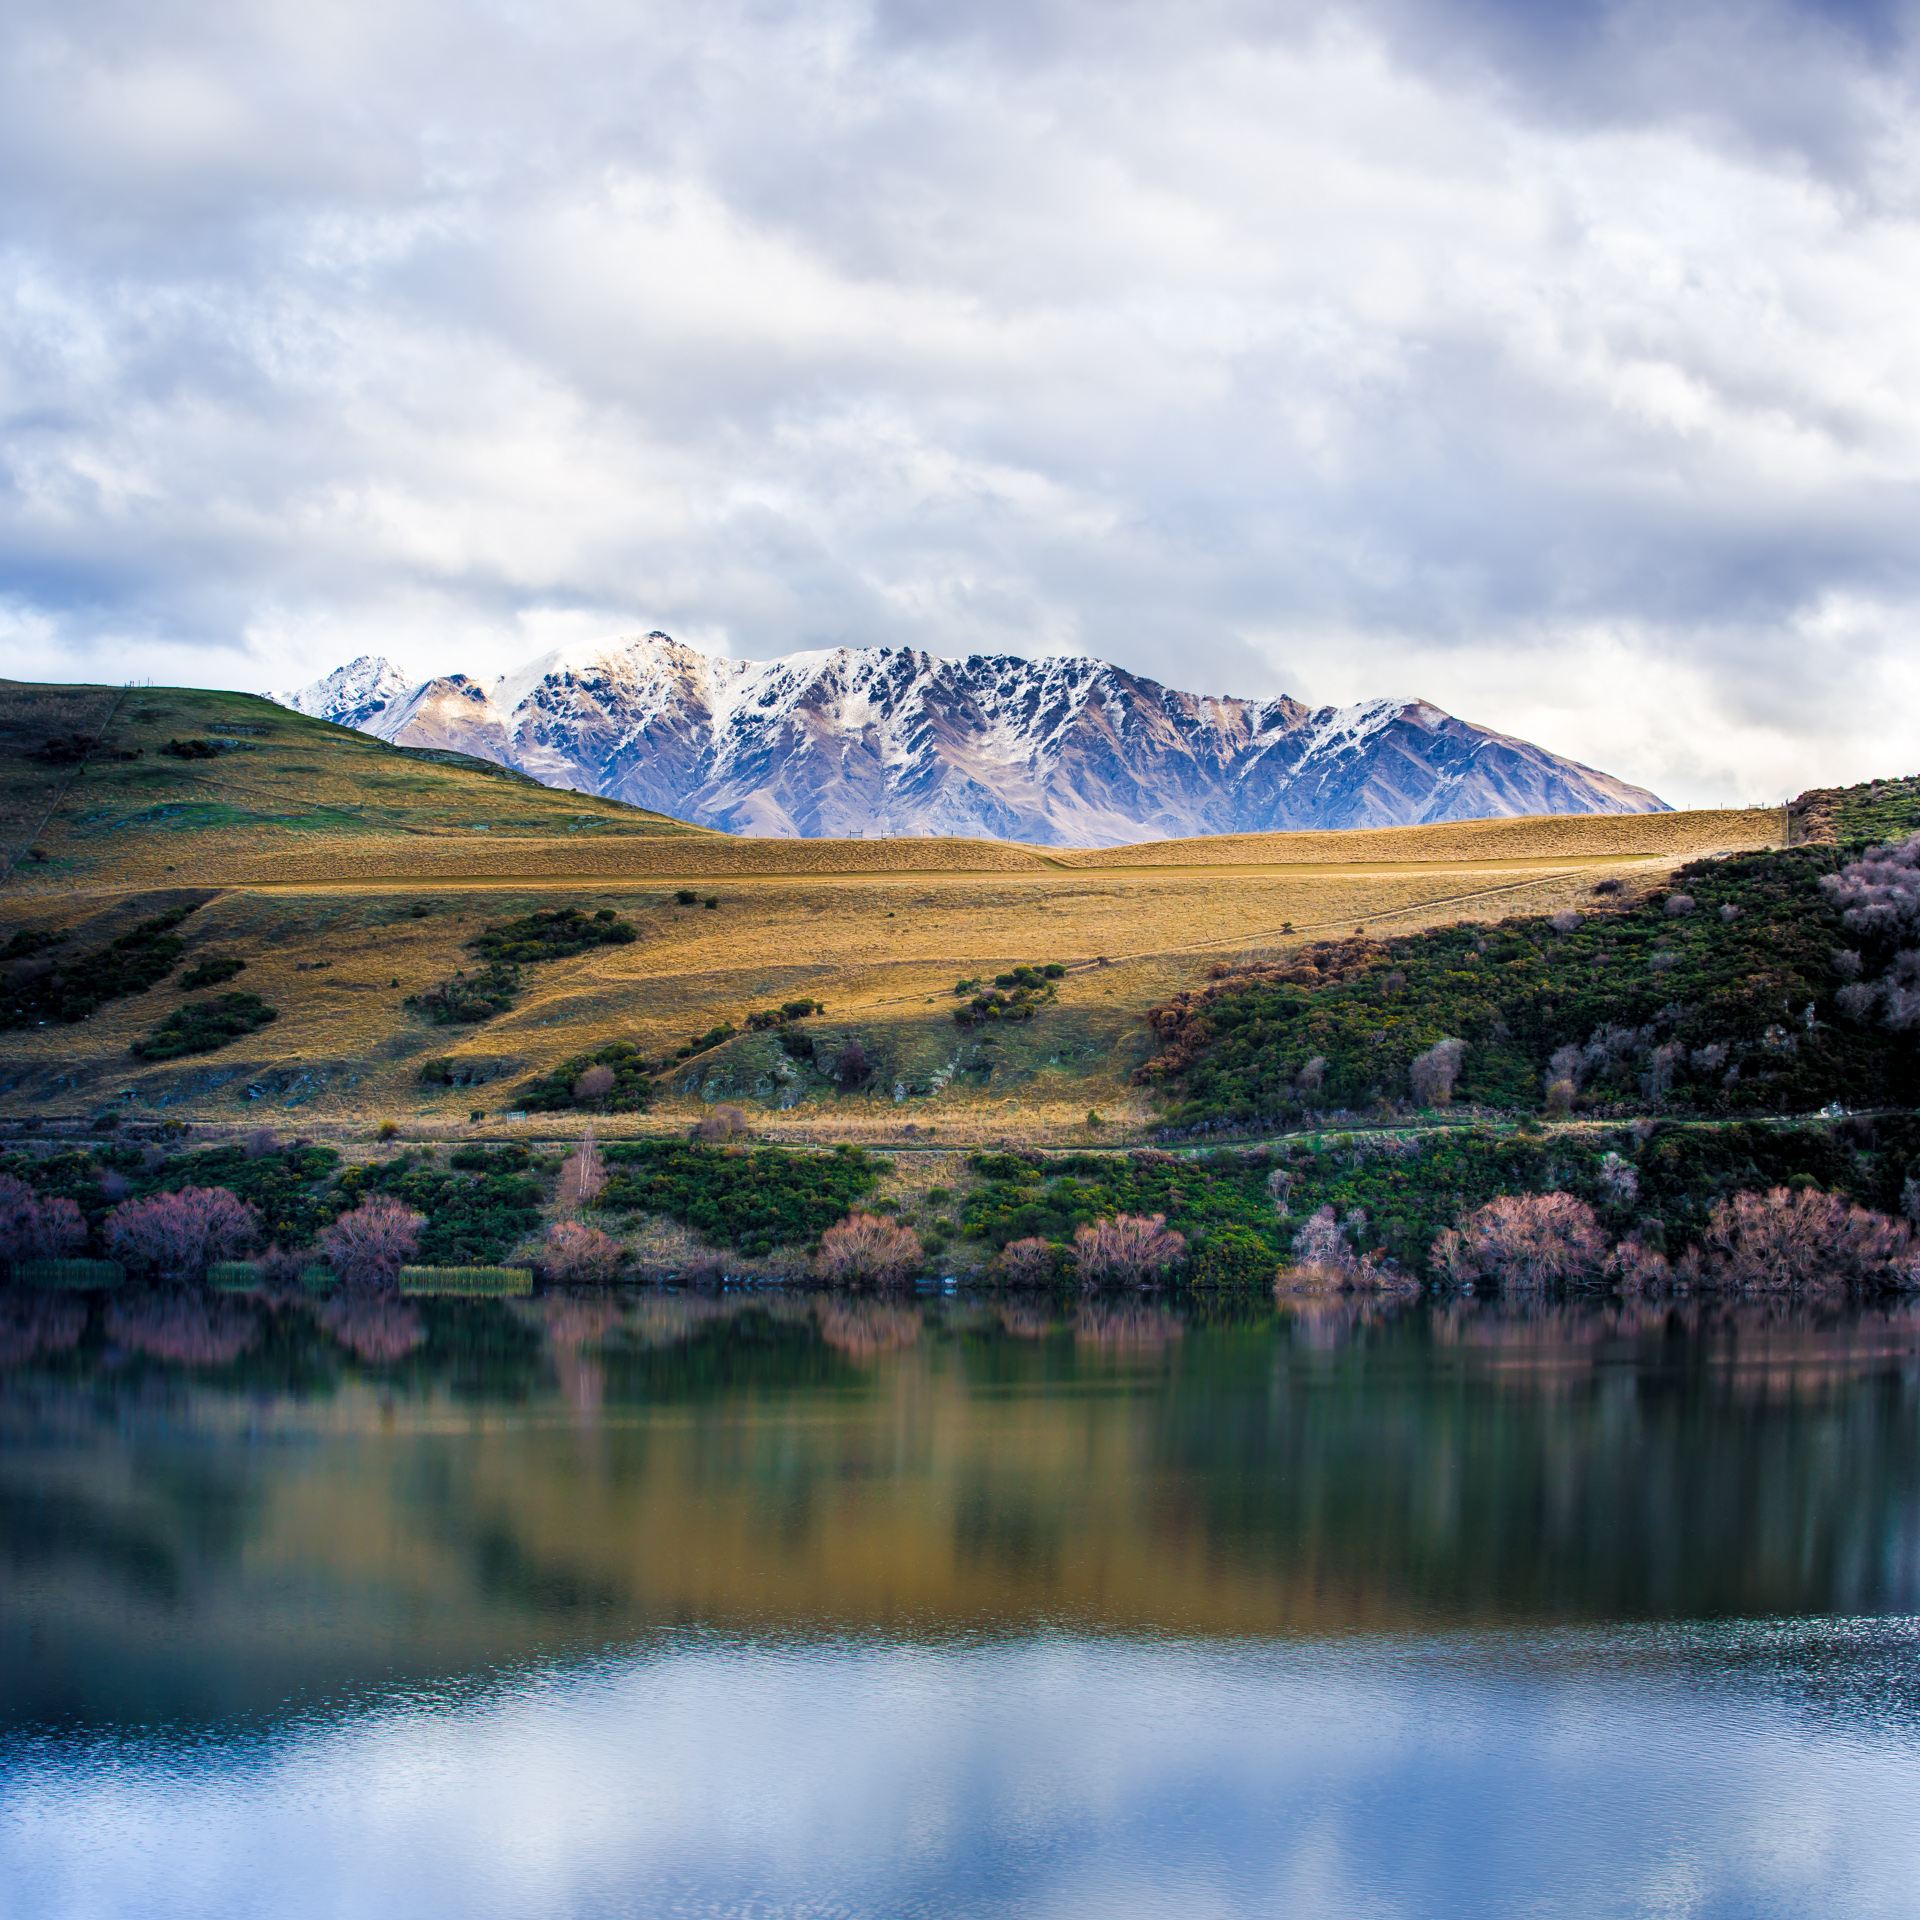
x,y
67,1273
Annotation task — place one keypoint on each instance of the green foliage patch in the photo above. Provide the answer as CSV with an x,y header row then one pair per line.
x,y
473,1217
554,933
750,1201
214,971
630,1093
1399,1189
206,1026
38,990
1015,995
487,1281
1714,995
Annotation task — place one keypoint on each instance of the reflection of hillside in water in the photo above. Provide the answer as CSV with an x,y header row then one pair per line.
x,y
550,1473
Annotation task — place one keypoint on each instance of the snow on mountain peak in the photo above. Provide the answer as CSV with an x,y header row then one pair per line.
x,y
1066,749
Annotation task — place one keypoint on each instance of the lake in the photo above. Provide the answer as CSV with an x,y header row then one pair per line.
x,y
736,1604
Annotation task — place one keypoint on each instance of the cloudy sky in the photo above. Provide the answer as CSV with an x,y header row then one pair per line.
x,y
1553,359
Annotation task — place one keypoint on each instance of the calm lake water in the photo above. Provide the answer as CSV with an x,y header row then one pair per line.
x,y
717,1605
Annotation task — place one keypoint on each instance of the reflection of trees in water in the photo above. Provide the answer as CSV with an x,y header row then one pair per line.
x,y
191,1330
1329,1320
865,1328
1027,1323
377,1330
37,1323
1128,1329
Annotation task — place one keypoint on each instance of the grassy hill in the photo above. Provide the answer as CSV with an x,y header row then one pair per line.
x,y
223,914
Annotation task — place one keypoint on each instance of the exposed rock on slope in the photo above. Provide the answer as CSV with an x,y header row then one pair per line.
x,y
881,741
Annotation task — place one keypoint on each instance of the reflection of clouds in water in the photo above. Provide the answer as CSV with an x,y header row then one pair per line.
x,y
187,1329
1391,1777
376,1330
866,1328
34,1323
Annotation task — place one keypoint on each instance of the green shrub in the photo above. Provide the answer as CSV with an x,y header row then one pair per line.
x,y
233,1276
206,1026
213,971
769,1017
555,933
706,1042
1015,995
474,1215
631,1092
1636,1007
686,897
70,989
753,1201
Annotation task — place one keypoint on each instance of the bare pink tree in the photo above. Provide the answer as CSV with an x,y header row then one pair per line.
x,y
583,1178
723,1123
865,1247
179,1235
1530,1240
1782,1242
368,1247
593,1086
1432,1074
1027,1263
35,1226
1131,1249
579,1255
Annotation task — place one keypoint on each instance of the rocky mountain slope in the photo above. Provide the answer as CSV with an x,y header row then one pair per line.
x,y
886,741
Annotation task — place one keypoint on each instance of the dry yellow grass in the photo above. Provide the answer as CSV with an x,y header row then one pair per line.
x,y
370,894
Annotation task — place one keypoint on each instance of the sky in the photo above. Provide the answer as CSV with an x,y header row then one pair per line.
x,y
1558,363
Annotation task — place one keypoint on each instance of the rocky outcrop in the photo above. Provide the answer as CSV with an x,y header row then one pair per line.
x,y
880,741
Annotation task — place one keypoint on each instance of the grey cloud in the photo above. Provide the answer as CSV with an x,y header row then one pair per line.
x,y
1253,347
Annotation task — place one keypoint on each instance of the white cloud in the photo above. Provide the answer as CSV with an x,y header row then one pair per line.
x,y
1326,352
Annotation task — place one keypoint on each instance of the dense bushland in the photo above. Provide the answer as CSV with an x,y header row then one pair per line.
x,y
38,987
1394,1194
752,1201
214,971
474,1213
1726,993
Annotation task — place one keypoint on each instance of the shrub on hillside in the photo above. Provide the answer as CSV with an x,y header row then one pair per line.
x,y
206,1026
867,1249
72,988
612,1080
214,971
1126,1250
368,1246
179,1235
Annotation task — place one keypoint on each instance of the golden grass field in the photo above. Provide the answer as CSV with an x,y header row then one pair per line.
x,y
348,875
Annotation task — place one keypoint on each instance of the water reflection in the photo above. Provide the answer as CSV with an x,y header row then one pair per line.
x,y
209,1504
719,1604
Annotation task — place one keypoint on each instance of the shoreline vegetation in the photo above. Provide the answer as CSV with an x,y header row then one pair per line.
x,y
1680,1073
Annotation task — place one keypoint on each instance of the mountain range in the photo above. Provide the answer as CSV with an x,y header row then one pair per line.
x,y
880,741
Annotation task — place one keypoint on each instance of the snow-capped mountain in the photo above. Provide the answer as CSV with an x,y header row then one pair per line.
x,y
861,742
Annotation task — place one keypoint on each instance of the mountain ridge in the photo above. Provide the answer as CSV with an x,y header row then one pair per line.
x,y
865,742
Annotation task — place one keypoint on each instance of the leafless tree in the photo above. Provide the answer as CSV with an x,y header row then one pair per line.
x,y
1531,1240
867,1247
579,1255
368,1247
1783,1242
1027,1263
1433,1073
593,1086
1128,1248
583,1178
35,1226
723,1123
179,1235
